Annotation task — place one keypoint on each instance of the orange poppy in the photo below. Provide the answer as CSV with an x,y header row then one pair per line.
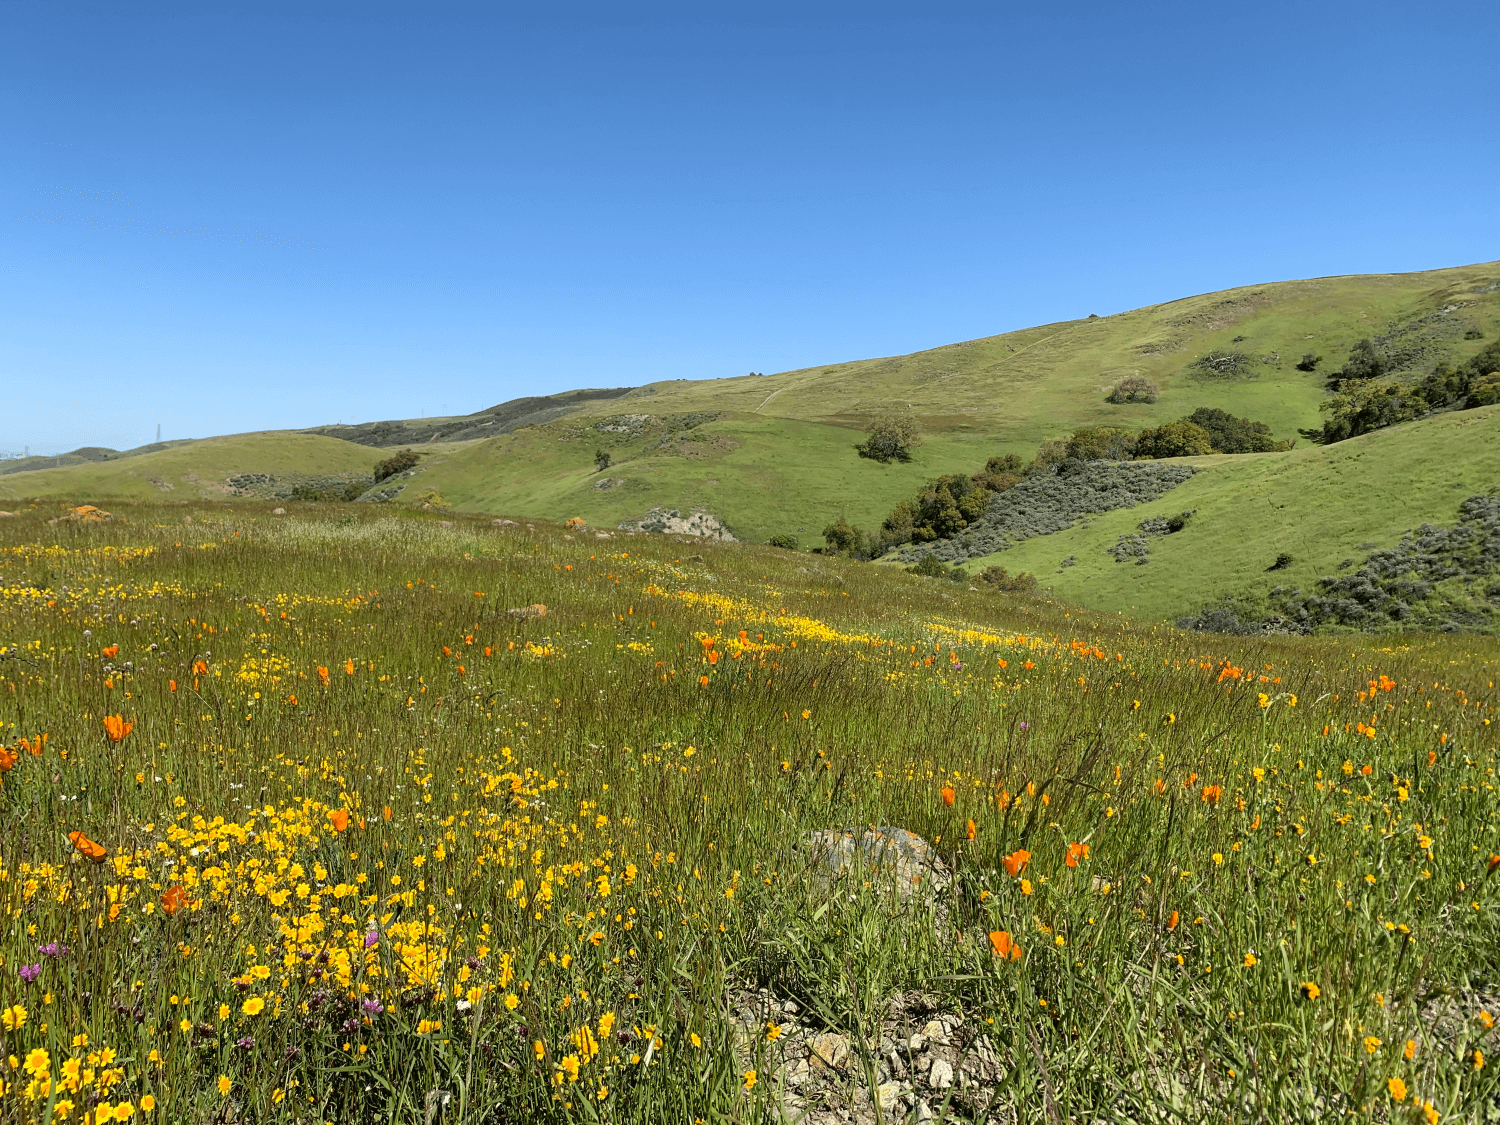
x,y
1212,793
87,847
199,668
385,812
1003,946
973,831
173,899
111,652
339,818
116,727
1016,862
1077,852
1494,863
171,685
1172,921
349,665
947,795
8,759
323,675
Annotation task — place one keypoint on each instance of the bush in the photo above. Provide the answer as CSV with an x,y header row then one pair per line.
x,y
1283,561
998,578
1132,388
1367,408
1484,391
402,461
1229,434
1101,443
602,460
1364,363
892,438
843,538
929,567
1309,362
1175,439
785,542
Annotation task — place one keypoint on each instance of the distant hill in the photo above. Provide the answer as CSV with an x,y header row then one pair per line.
x,y
774,454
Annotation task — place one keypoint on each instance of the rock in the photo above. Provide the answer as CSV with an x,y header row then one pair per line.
x,y
87,513
902,857
829,1050
923,1113
526,612
446,523
673,522
940,1077
504,523
278,511
603,535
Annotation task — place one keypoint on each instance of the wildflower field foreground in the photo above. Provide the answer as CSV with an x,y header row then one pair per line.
x,y
332,818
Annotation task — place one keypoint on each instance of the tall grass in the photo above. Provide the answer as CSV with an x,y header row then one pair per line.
x,y
377,848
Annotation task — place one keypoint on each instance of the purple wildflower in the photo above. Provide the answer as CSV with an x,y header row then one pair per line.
x,y
245,1044
372,1007
52,949
29,973
371,938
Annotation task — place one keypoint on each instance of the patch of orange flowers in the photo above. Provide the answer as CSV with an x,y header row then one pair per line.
x,y
116,727
947,795
1075,853
86,847
1016,862
1003,946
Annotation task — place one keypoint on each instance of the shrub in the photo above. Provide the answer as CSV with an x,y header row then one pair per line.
x,y
1229,434
892,438
1364,363
402,461
1367,408
602,460
1133,388
1283,561
1101,443
1000,473
998,578
785,542
929,567
1473,334
1309,362
1484,391
1175,439
842,537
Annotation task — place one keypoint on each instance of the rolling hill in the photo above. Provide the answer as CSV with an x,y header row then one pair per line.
x,y
774,454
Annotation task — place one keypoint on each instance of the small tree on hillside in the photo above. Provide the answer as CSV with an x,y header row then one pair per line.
x,y
602,460
402,461
1175,439
892,438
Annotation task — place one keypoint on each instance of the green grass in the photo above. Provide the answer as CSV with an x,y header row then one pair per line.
x,y
547,817
193,470
1320,504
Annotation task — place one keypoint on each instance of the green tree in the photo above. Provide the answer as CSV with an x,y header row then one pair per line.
x,y
1229,434
1174,439
891,438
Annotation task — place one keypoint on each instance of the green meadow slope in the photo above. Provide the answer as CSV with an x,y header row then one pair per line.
x,y
774,454
1319,504
196,470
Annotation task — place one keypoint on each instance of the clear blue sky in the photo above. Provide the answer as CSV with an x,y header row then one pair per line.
x,y
224,217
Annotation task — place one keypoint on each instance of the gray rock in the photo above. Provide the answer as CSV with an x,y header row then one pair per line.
x,y
903,858
672,522
940,1077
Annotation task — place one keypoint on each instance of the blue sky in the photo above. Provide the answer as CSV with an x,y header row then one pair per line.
x,y
227,217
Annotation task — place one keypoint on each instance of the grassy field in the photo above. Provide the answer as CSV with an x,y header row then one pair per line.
x,y
304,824
194,470
1320,504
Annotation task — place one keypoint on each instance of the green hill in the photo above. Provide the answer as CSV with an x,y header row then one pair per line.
x,y
771,455
201,470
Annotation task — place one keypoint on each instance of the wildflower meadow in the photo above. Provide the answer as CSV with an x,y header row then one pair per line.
x,y
324,817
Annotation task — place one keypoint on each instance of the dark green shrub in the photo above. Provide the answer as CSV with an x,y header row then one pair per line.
x,y
892,438
785,542
402,461
843,538
354,490
1283,561
1222,365
1363,409
1309,362
1228,434
929,567
602,460
1175,439
1473,334
1484,391
1364,363
1101,443
998,578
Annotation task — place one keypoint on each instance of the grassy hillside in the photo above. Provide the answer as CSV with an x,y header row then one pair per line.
x,y
781,451
195,470
1320,504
